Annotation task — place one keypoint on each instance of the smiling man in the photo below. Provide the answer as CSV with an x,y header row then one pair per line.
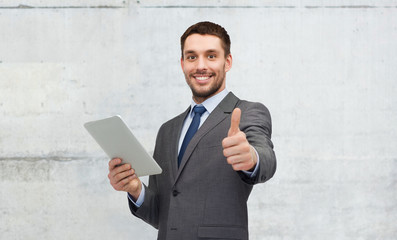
x,y
211,155
205,63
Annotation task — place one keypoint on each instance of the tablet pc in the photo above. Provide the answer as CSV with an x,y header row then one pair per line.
x,y
117,140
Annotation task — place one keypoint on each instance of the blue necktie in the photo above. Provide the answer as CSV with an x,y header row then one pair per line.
x,y
198,111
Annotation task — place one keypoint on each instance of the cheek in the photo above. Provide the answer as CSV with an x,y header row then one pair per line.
x,y
187,68
218,67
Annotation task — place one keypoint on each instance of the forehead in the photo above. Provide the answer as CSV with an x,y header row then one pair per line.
x,y
202,43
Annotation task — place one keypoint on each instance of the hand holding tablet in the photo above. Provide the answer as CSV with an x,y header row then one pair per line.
x,y
117,140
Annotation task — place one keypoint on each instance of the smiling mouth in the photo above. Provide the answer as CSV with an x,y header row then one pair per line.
x,y
202,78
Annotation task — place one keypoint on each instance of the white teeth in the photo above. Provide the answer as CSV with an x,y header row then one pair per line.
x,y
202,78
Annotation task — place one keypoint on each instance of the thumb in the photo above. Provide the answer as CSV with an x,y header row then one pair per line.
x,y
235,122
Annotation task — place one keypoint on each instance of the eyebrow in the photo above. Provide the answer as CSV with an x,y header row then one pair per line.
x,y
212,51
208,51
189,51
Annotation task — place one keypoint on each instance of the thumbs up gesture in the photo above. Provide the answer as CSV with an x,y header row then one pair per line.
x,y
236,148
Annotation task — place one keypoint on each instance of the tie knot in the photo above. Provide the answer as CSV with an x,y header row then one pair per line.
x,y
199,109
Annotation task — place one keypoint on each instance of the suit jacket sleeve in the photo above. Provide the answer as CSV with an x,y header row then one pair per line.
x,y
149,210
256,124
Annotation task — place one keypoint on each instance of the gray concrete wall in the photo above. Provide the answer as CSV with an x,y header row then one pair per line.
x,y
327,71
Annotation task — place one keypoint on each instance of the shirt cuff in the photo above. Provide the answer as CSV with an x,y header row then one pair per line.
x,y
253,173
140,199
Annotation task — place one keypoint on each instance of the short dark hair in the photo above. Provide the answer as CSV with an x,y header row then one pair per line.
x,y
210,29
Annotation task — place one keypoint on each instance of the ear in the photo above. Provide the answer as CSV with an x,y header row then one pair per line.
x,y
229,62
182,64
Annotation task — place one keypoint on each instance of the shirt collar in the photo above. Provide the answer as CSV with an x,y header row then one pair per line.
x,y
211,103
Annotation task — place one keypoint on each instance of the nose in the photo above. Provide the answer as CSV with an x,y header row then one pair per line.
x,y
201,63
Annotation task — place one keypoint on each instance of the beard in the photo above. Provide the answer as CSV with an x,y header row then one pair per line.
x,y
207,92
204,92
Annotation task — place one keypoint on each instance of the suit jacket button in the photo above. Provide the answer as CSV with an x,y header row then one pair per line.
x,y
175,193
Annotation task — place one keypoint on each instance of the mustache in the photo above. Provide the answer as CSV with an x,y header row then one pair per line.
x,y
203,72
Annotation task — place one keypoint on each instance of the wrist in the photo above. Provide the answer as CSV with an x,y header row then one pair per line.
x,y
254,158
135,194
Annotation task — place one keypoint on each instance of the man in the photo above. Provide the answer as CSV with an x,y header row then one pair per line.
x,y
207,175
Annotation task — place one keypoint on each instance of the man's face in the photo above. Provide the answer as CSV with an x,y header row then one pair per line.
x,y
205,66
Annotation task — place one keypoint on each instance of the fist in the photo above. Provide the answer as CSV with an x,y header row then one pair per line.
x,y
236,148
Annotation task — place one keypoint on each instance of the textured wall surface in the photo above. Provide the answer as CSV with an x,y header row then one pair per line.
x,y
327,70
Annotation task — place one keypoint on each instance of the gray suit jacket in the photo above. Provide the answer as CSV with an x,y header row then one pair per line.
x,y
205,198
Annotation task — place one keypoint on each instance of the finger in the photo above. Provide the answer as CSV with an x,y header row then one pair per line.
x,y
235,159
118,169
238,158
113,163
238,163
239,138
235,122
122,179
240,166
236,151
120,176
121,185
128,183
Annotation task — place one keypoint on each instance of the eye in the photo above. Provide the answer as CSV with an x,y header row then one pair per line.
x,y
211,56
191,57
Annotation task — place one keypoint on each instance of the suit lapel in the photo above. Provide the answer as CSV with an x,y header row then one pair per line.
x,y
224,108
174,139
